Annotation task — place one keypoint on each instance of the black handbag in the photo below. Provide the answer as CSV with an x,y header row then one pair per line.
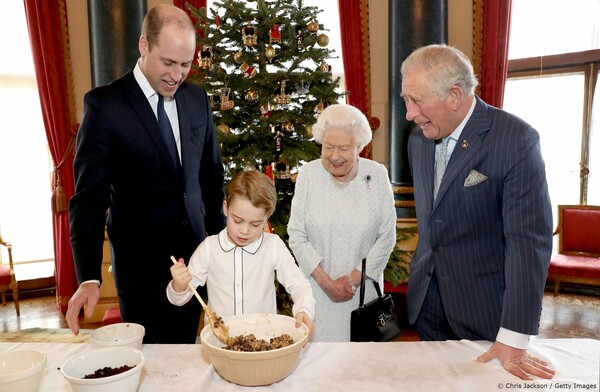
x,y
375,321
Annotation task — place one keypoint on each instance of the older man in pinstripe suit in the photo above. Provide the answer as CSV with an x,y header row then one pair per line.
x,y
485,238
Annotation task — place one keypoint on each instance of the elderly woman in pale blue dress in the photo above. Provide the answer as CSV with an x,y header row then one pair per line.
x,y
342,211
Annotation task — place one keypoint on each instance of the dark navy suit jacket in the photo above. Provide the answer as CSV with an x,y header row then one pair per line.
x,y
155,209
490,243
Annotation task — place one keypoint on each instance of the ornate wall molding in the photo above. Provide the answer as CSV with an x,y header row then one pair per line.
x,y
478,40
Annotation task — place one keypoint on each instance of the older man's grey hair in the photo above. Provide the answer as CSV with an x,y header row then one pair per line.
x,y
346,118
445,66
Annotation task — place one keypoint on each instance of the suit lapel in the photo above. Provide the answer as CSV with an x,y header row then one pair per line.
x,y
428,163
185,132
470,142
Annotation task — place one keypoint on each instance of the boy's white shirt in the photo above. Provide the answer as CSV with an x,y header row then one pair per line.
x,y
240,280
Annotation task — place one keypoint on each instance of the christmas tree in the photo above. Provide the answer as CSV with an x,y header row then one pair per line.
x,y
264,65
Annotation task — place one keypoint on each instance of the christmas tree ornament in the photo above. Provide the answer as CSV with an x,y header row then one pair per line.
x,y
322,40
268,170
319,108
249,35
205,57
309,130
282,170
274,35
270,53
265,111
223,128
302,86
313,26
283,94
324,67
294,176
215,99
226,104
374,123
217,21
287,126
299,38
249,71
278,141
251,96
237,57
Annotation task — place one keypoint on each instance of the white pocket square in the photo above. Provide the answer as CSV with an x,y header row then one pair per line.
x,y
474,178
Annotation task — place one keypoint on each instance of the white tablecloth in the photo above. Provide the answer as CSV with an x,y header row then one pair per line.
x,y
344,367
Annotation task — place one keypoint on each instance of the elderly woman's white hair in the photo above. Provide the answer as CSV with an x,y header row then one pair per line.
x,y
346,118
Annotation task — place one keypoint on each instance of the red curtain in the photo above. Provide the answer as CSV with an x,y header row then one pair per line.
x,y
195,3
48,35
354,22
490,47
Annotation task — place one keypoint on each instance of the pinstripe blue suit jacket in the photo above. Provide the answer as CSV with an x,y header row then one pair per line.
x,y
490,243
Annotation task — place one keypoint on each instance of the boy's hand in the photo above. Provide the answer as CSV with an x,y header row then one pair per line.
x,y
302,317
181,276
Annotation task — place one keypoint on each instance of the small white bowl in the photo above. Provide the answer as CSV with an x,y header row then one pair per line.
x,y
22,370
80,365
256,368
120,334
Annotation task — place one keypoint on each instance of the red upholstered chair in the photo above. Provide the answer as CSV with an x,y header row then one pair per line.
x,y
578,257
111,316
8,280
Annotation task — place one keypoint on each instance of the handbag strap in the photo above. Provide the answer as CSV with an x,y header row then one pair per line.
x,y
362,284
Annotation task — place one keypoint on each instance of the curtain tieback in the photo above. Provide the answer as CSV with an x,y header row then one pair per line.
x,y
59,198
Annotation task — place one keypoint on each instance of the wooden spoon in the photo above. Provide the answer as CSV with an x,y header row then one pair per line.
x,y
216,323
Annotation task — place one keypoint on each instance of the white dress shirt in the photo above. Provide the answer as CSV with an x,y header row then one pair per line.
x,y
240,280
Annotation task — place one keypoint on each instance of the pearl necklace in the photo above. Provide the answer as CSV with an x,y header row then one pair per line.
x,y
351,176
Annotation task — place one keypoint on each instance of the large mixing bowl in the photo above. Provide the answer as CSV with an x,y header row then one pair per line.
x,y
256,368
22,370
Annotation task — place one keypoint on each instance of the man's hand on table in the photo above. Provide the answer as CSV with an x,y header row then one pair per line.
x,y
517,361
86,295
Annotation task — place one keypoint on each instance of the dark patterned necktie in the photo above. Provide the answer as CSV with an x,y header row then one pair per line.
x,y
167,131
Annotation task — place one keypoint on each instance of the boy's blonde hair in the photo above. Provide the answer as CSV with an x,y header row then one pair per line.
x,y
256,187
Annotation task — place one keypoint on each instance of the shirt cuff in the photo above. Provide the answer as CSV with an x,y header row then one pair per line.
x,y
513,339
92,281
177,298
305,310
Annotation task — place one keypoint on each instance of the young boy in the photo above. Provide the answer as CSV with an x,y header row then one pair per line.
x,y
238,265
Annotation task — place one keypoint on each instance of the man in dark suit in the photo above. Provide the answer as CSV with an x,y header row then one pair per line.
x,y
155,201
485,232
